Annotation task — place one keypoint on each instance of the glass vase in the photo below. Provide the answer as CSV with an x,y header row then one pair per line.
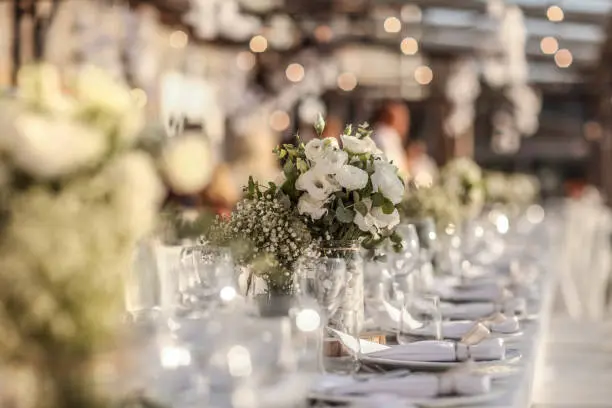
x,y
351,310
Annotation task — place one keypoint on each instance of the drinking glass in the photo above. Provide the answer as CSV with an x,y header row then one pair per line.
x,y
343,349
420,313
404,261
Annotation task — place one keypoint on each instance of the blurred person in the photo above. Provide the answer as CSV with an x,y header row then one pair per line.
x,y
422,168
220,195
334,126
391,127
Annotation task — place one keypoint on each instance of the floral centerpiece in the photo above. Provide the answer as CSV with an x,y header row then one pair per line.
x,y
432,202
331,200
516,189
76,195
462,178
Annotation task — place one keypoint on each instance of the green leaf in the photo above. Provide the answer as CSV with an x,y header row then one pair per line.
x,y
302,166
251,187
282,154
328,219
361,208
344,215
319,125
388,207
341,195
395,238
378,200
289,168
348,129
356,197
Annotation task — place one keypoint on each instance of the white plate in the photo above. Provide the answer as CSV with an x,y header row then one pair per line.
x,y
508,337
441,402
512,356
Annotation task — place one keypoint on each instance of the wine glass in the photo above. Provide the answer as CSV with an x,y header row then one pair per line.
x,y
420,316
404,260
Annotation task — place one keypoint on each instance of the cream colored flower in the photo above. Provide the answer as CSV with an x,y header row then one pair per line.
x,y
358,146
312,207
382,220
367,222
331,161
49,147
351,177
40,85
187,164
386,181
317,183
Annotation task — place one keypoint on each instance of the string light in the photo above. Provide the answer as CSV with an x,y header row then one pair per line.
x,y
258,44
245,60
423,75
279,121
178,39
295,72
564,58
392,25
323,33
347,81
555,14
409,46
549,45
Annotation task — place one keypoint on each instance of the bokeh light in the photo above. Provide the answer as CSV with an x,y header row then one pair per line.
x,y
563,58
347,81
324,33
549,45
555,14
423,75
411,13
178,39
279,121
258,44
295,72
409,46
392,25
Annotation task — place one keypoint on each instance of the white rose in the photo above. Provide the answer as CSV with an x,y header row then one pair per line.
x,y
317,183
314,149
382,220
358,146
351,177
386,181
187,164
41,85
331,161
366,223
49,147
311,206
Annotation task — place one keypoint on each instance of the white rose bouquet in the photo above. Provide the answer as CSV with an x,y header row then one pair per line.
x,y
462,178
348,193
76,194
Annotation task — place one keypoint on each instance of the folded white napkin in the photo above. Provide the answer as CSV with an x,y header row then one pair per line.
x,y
476,293
478,310
456,329
444,351
419,386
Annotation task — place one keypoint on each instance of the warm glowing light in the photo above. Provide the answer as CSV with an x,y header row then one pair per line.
x,y
549,45
563,58
245,60
409,46
392,25
227,294
279,121
178,39
323,33
347,81
139,96
555,14
592,131
423,75
174,357
308,320
258,44
295,72
411,13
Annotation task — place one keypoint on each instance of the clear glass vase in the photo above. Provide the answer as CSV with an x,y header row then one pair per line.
x,y
352,305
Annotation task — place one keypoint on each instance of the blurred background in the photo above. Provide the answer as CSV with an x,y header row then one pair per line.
x,y
519,85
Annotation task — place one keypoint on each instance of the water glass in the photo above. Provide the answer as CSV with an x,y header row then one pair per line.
x,y
342,349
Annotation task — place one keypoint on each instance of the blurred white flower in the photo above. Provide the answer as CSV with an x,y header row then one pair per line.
x,y
41,85
49,147
317,183
382,220
359,146
187,164
351,177
386,181
311,206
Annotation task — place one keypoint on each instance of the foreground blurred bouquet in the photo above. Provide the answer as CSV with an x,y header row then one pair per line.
x,y
75,197
462,178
